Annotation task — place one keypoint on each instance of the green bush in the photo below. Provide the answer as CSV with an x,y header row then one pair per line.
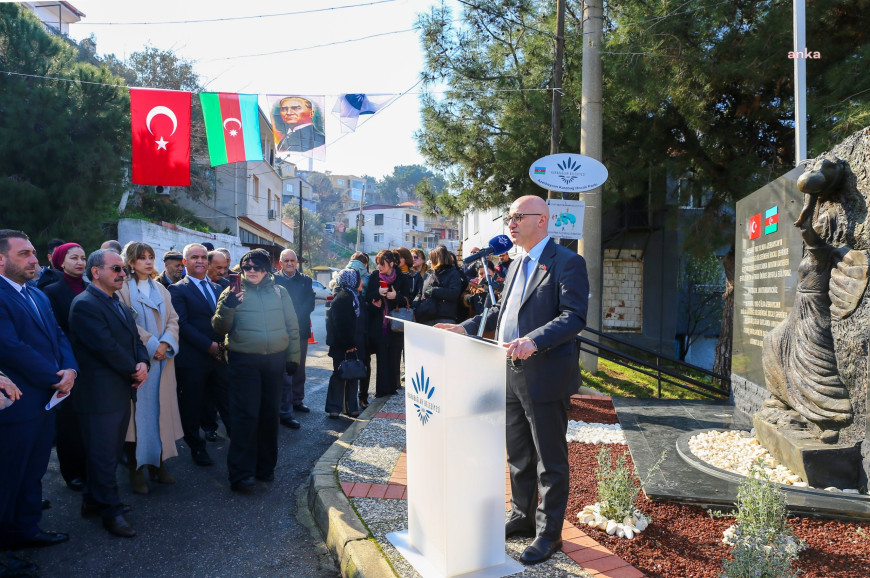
x,y
764,546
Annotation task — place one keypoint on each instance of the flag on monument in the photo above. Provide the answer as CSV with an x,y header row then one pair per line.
x,y
160,125
755,227
232,127
771,218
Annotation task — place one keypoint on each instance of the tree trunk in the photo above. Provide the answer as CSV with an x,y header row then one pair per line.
x,y
722,364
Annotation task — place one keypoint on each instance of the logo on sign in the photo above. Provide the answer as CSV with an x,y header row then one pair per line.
x,y
540,170
422,397
755,227
568,171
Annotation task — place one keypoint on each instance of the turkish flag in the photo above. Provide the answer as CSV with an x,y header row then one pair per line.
x,y
755,227
160,123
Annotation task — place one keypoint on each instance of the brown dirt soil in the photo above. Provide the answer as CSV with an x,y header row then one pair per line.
x,y
684,541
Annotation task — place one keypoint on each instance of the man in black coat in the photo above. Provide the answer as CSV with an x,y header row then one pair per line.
x,y
542,310
173,269
113,363
298,285
198,366
36,356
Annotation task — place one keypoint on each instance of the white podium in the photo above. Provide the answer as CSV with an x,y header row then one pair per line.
x,y
455,420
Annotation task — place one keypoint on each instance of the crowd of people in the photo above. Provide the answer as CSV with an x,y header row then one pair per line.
x,y
130,360
135,360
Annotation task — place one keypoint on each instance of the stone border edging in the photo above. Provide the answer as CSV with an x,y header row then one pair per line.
x,y
346,537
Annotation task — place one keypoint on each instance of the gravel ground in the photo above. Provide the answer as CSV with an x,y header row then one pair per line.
x,y
371,459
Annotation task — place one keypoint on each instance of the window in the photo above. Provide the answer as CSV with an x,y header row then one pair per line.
x,y
407,219
407,237
379,237
379,219
414,220
340,181
289,187
256,188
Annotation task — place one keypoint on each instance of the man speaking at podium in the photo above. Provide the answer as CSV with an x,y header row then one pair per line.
x,y
543,308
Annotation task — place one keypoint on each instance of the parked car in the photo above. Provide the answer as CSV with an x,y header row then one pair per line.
x,y
320,292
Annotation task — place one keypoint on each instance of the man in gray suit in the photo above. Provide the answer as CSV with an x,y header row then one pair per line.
x,y
543,308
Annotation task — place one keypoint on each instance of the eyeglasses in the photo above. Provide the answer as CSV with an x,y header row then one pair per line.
x,y
115,268
518,217
253,268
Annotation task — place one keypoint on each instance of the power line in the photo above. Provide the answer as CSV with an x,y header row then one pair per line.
x,y
326,45
236,18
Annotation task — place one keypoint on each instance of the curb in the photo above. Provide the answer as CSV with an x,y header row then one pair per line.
x,y
346,537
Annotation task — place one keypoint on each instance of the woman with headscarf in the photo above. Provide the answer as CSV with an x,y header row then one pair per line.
x,y
388,289
345,337
262,342
69,259
359,262
155,422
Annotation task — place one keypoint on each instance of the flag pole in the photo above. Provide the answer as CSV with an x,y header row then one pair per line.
x,y
800,85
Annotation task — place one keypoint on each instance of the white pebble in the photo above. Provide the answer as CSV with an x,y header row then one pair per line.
x,y
595,433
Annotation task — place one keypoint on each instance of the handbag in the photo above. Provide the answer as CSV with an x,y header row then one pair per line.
x,y
426,310
351,369
406,315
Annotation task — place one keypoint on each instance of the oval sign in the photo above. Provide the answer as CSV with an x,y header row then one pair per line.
x,y
568,173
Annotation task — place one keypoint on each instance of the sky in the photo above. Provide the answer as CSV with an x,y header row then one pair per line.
x,y
267,53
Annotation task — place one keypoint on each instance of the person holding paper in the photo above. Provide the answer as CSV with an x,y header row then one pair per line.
x,y
542,310
36,356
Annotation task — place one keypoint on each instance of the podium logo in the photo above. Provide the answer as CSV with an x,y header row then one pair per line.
x,y
422,397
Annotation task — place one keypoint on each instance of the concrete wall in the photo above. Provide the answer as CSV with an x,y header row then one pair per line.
x,y
747,395
163,237
622,291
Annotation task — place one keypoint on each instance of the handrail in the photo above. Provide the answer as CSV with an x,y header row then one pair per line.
x,y
617,356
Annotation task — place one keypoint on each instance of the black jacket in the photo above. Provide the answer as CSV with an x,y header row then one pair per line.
x,y
343,328
302,295
61,296
107,348
376,314
445,285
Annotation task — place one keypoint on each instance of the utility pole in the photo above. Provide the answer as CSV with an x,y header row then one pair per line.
x,y
359,217
590,145
557,85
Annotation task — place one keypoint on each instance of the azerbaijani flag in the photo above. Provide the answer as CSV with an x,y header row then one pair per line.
x,y
232,126
771,218
540,170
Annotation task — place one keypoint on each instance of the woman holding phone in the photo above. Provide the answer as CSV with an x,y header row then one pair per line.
x,y
262,341
388,289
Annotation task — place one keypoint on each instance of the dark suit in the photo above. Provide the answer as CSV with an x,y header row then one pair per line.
x,y
32,351
302,294
304,139
552,313
209,415
107,346
70,445
195,369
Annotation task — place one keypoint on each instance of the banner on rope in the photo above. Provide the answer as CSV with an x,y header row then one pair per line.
x,y
232,127
298,125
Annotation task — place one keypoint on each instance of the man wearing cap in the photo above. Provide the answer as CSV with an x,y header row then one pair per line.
x,y
173,269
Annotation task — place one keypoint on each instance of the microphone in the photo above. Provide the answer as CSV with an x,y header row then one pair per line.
x,y
497,245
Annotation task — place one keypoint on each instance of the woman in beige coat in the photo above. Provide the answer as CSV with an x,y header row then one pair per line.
x,y
155,423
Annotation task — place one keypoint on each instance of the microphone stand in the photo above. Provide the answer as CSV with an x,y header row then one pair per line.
x,y
491,301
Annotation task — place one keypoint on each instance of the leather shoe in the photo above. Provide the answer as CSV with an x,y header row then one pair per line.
x,y
211,436
290,422
119,526
243,485
46,504
201,458
42,539
270,477
519,527
302,407
76,484
540,550
92,509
